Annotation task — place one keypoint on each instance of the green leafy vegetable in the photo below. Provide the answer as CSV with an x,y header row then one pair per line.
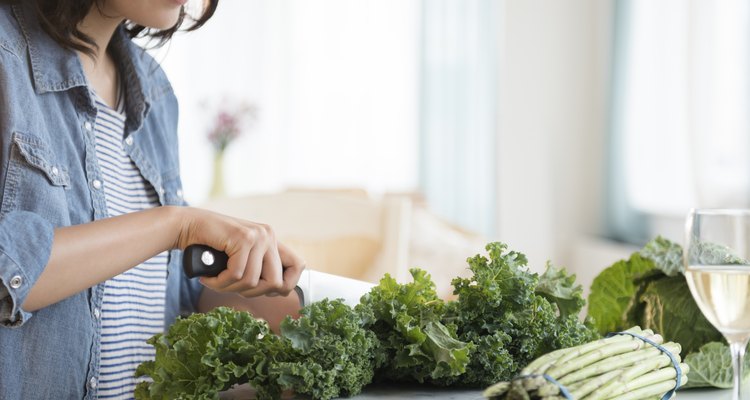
x,y
650,290
414,344
613,293
653,293
708,253
559,288
325,353
711,366
671,310
666,256
207,353
504,310
332,354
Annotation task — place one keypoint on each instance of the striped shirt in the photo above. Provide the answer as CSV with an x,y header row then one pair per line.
x,y
133,304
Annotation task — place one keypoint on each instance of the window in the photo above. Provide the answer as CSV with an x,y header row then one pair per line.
x,y
680,109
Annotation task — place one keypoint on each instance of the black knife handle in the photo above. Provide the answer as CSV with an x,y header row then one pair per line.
x,y
201,260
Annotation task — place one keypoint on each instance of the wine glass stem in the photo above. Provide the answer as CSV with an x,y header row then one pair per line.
x,y
738,355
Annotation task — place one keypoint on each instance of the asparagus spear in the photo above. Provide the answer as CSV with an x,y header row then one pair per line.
x,y
542,363
532,383
594,383
634,372
618,362
549,389
662,375
496,390
517,391
651,390
565,355
559,371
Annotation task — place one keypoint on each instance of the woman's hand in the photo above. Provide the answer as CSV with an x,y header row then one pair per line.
x,y
258,264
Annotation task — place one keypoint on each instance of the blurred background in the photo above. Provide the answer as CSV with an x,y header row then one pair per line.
x,y
379,135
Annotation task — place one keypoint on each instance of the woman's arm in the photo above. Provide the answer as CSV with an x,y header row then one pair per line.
x,y
85,255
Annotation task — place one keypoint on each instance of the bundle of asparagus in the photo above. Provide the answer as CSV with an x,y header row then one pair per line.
x,y
620,367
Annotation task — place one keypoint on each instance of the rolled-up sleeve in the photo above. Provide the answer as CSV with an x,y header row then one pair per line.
x,y
25,246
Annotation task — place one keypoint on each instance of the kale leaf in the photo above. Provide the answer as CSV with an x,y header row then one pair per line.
x,y
332,355
506,313
559,288
207,353
414,343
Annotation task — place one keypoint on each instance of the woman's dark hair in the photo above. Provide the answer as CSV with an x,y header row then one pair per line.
x,y
60,19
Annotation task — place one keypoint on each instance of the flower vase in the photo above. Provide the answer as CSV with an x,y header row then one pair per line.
x,y
217,185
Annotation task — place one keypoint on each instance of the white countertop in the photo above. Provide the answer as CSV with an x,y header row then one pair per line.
x,y
391,391
710,394
377,392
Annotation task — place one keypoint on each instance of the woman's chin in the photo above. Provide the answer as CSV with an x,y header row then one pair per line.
x,y
156,23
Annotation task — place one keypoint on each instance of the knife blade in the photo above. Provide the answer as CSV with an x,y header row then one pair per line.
x,y
201,260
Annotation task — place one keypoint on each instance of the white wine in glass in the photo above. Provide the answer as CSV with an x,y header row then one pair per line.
x,y
716,252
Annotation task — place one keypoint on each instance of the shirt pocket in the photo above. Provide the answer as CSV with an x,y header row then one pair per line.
x,y
35,180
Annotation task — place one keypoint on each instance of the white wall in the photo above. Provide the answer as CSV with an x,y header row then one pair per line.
x,y
553,107
336,83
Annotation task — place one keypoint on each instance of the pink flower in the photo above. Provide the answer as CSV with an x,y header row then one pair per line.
x,y
228,124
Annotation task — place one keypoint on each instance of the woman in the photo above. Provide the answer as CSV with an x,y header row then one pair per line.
x,y
91,203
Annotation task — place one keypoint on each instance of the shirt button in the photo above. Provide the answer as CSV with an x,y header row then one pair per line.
x,y
92,383
97,184
97,313
87,125
179,193
129,140
55,171
15,282
160,190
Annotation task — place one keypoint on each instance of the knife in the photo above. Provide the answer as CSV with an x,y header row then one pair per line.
x,y
201,260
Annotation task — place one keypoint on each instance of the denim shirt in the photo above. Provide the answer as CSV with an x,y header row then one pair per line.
x,y
49,177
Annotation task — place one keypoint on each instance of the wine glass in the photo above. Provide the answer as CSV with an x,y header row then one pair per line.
x,y
716,258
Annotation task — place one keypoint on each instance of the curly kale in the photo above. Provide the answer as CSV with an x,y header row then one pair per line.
x,y
207,353
414,343
513,316
325,353
332,354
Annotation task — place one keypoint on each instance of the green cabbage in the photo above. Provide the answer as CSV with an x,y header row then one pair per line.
x,y
650,290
